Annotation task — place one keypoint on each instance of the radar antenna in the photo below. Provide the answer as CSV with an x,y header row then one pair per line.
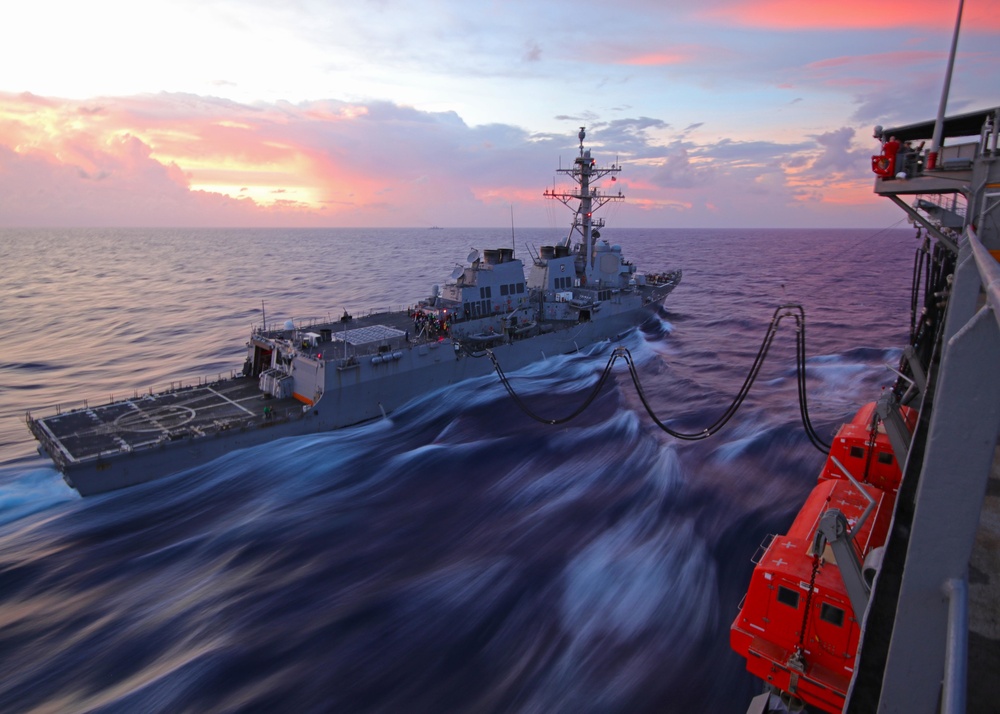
x,y
586,199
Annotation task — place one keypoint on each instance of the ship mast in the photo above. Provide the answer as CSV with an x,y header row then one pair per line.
x,y
585,172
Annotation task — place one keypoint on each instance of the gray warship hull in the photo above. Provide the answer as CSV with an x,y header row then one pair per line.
x,y
131,441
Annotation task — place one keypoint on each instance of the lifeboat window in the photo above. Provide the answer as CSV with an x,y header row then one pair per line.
x,y
857,452
831,614
787,596
885,458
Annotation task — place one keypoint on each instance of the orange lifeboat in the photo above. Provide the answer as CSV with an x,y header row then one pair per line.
x,y
796,626
876,466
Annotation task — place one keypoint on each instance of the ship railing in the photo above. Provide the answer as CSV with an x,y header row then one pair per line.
x,y
948,208
762,548
929,641
989,272
314,321
178,385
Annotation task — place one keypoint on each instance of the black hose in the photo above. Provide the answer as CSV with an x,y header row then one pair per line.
x,y
782,311
577,412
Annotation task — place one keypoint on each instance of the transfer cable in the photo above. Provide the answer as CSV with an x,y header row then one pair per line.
x,y
791,310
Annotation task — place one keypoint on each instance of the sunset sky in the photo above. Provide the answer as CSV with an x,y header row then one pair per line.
x,y
723,113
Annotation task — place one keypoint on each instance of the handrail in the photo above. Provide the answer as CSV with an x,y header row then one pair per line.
x,y
989,271
957,645
177,385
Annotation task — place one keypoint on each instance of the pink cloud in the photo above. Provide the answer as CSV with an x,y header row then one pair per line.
x,y
851,14
172,159
656,59
884,59
178,158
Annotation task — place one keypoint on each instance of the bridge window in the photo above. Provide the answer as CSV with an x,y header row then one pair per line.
x,y
831,614
504,290
787,596
520,288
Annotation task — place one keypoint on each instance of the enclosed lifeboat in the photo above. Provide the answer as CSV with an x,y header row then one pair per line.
x,y
799,624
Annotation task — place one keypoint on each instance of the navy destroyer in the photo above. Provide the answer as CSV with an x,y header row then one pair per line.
x,y
303,377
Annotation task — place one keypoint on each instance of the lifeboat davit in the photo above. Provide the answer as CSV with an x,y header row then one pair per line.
x,y
798,627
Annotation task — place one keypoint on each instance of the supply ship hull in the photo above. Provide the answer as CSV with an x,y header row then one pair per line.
x,y
857,614
305,377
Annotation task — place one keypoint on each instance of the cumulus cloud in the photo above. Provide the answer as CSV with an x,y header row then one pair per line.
x,y
676,170
180,159
129,189
836,151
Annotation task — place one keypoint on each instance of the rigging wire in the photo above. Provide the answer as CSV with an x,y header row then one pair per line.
x,y
876,234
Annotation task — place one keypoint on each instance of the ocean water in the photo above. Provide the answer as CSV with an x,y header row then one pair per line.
x,y
457,556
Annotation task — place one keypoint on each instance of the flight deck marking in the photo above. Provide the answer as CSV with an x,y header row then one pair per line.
x,y
175,416
235,404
